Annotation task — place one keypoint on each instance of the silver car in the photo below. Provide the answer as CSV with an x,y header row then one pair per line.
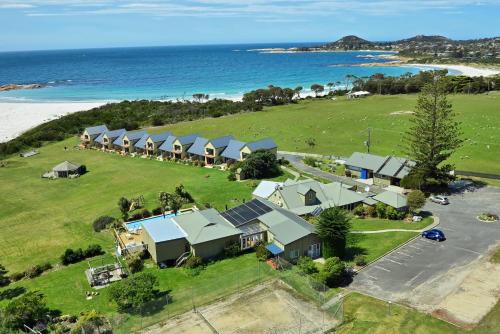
x,y
439,199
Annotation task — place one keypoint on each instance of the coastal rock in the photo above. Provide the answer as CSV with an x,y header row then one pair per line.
x,y
4,88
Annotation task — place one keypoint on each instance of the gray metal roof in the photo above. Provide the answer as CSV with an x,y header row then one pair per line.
x,y
366,161
232,151
198,146
204,226
392,198
162,228
96,130
266,188
160,137
168,144
110,134
262,144
66,166
141,143
221,141
189,139
132,136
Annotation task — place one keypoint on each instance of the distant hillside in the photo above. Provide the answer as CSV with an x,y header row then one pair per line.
x,y
350,42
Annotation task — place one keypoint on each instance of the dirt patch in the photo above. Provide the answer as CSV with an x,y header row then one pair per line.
x,y
403,112
267,308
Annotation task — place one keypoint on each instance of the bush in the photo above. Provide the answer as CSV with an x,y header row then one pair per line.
x,y
157,211
261,252
380,208
14,277
416,200
74,256
102,223
394,214
310,161
135,263
92,250
33,271
193,262
231,250
370,211
260,164
359,211
413,180
307,265
145,213
332,273
231,176
360,260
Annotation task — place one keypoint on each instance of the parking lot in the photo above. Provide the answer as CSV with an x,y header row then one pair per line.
x,y
424,272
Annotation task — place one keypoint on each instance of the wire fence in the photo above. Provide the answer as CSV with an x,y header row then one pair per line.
x,y
199,293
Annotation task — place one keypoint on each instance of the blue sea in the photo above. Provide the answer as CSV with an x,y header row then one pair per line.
x,y
222,71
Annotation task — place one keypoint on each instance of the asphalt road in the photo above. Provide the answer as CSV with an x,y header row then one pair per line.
x,y
417,273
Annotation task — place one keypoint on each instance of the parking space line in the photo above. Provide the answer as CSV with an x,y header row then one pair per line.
x,y
372,277
447,229
413,246
467,250
428,241
382,268
399,252
410,282
394,261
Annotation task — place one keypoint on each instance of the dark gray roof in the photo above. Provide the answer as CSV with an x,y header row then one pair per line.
x,y
198,146
135,135
262,144
189,139
66,166
232,151
96,130
110,134
160,137
392,199
366,161
221,141
167,145
246,212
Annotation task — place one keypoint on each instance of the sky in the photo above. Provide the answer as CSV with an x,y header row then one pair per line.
x,y
69,24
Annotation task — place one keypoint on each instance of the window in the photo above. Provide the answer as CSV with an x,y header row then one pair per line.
x,y
86,136
125,142
294,254
177,148
209,151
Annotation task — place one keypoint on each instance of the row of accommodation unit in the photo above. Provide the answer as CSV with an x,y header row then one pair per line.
x,y
168,146
310,197
384,170
170,239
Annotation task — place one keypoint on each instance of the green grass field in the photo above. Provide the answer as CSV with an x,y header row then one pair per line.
x,y
340,127
374,224
40,218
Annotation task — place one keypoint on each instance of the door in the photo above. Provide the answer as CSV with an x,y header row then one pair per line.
x,y
314,251
364,174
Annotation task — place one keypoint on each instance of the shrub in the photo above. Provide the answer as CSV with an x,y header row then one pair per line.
x,y
157,211
102,223
359,210
145,213
360,260
394,214
74,256
260,164
261,252
307,265
380,208
231,250
332,273
33,271
414,180
135,263
231,176
416,200
17,276
370,211
193,262
93,250
131,293
310,161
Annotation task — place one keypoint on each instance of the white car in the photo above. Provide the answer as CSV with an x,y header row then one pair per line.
x,y
439,199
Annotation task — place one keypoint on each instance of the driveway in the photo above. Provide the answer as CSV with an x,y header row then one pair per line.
x,y
424,272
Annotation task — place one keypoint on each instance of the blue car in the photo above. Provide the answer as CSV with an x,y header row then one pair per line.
x,y
434,234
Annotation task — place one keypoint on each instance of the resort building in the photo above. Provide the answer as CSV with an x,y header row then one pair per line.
x,y
309,197
127,140
177,147
65,169
214,148
153,142
105,140
239,151
383,171
197,151
90,134
167,147
394,199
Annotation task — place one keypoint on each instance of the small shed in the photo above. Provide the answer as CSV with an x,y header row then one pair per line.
x,y
67,168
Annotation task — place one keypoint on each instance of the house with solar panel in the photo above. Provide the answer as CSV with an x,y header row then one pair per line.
x,y
125,143
90,134
310,197
105,140
286,234
383,170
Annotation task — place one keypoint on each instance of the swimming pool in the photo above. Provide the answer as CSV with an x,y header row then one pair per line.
x,y
137,224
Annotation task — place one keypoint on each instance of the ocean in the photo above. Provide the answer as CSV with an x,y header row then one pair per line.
x,y
176,72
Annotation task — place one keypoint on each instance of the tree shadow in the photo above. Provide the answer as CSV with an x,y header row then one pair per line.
x,y
163,298
12,292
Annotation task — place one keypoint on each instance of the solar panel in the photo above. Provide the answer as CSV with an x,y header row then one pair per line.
x,y
246,212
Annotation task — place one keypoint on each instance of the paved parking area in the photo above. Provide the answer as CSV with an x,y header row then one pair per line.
x,y
424,272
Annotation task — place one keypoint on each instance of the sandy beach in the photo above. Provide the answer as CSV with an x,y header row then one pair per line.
x,y
16,118
470,71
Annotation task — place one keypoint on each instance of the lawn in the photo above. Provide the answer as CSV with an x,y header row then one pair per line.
x,y
40,218
364,314
374,224
374,245
65,289
340,127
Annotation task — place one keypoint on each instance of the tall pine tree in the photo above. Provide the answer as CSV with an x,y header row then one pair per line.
x,y
433,136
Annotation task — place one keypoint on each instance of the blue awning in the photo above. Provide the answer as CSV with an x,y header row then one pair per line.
x,y
275,250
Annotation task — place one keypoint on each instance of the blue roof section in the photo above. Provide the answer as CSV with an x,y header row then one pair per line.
x,y
198,146
135,135
263,144
111,134
119,140
221,141
141,143
160,137
167,145
232,150
189,139
274,249
162,229
96,130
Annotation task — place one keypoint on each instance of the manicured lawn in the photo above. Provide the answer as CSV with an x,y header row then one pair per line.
x,y
40,218
375,245
374,224
65,289
340,127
